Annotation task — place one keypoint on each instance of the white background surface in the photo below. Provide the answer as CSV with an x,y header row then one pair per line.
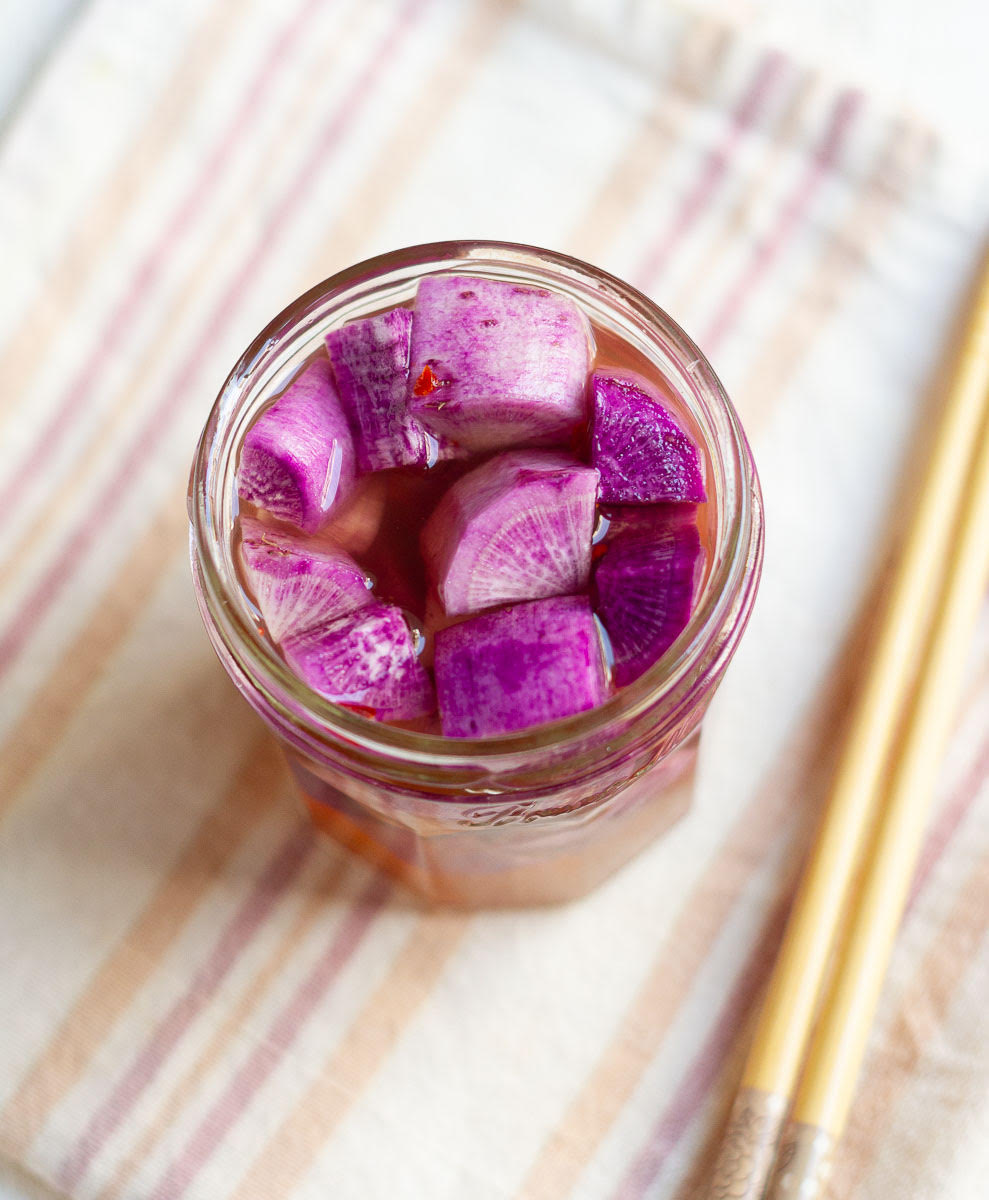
x,y
928,56
925,54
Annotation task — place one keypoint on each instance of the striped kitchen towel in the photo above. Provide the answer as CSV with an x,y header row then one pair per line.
x,y
201,999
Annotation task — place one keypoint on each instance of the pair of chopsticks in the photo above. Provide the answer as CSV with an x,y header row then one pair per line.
x,y
810,1037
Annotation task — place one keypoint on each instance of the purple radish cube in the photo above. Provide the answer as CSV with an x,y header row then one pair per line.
x,y
645,583
519,666
496,364
298,457
371,363
366,660
298,584
643,453
517,528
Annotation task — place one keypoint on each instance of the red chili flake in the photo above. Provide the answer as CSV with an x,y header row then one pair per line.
x,y
362,710
598,550
427,383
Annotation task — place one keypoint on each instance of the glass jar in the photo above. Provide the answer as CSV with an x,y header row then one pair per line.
x,y
540,815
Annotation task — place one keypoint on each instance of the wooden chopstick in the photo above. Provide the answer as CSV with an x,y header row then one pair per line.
x,y
837,1046
788,1010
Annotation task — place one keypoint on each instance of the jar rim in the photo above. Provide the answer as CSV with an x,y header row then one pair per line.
x,y
316,717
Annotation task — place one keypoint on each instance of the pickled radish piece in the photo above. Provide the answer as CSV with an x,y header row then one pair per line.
x,y
642,452
367,660
517,528
298,457
496,364
297,584
370,360
519,666
645,583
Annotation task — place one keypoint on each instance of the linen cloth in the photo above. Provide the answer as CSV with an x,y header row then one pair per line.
x,y
200,997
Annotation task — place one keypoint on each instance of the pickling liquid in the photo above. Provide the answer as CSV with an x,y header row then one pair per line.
x,y
549,822
380,522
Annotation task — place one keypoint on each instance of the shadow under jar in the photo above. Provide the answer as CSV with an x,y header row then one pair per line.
x,y
547,813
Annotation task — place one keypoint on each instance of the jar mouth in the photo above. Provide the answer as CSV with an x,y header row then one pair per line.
x,y
212,500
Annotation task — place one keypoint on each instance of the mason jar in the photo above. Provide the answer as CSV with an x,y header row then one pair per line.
x,y
540,815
